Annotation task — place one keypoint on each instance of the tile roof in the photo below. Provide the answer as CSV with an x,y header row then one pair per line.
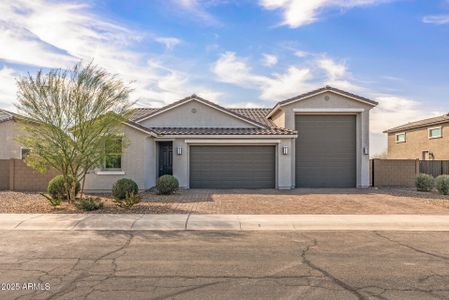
x,y
221,131
421,123
171,105
256,114
327,88
142,111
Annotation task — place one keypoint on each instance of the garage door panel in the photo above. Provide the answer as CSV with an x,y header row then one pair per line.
x,y
232,166
326,151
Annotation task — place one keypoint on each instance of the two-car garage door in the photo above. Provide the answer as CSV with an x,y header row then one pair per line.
x,y
232,167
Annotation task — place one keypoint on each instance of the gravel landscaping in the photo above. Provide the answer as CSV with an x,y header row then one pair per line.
x,y
299,201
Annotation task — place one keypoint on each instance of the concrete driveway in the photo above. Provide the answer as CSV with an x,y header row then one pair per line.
x,y
225,265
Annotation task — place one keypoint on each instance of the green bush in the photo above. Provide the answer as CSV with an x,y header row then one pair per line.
x,y
167,184
129,201
442,184
123,187
57,189
425,183
90,204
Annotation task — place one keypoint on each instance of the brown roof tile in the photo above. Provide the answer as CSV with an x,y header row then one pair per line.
x,y
221,131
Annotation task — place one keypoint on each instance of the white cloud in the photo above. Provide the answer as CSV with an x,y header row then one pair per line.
x,y
7,87
45,33
297,13
438,19
269,60
334,70
300,53
168,42
196,8
231,69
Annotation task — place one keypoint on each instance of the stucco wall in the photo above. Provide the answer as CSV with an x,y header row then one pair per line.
x,y
137,164
9,147
417,141
205,116
336,101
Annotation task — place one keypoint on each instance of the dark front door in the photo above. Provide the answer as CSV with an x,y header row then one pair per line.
x,y
165,158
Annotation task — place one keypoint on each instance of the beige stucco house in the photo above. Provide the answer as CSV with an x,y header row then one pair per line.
x,y
425,139
317,139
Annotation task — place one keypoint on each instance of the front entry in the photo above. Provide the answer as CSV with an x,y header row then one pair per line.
x,y
165,158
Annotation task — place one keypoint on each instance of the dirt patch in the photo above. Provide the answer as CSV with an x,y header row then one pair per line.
x,y
298,201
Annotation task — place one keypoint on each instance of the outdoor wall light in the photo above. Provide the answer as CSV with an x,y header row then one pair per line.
x,y
179,151
285,150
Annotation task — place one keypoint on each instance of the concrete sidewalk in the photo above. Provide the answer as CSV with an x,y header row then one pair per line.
x,y
72,222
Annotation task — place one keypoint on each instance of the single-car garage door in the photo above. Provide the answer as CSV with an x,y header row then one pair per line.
x,y
326,151
228,167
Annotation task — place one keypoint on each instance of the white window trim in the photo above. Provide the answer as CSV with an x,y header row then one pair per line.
x,y
435,137
398,134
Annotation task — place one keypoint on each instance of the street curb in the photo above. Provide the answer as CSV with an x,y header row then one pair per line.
x,y
192,222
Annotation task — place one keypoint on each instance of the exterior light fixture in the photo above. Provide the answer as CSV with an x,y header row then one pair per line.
x,y
285,150
179,151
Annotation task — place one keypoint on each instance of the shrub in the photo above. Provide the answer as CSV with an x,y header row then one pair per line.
x,y
123,187
90,204
57,189
53,201
425,183
129,201
167,184
442,184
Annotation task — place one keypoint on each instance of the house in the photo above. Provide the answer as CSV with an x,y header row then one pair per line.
x,y
426,139
316,139
9,129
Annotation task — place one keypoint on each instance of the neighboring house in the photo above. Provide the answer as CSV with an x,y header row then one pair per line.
x,y
426,139
9,130
317,139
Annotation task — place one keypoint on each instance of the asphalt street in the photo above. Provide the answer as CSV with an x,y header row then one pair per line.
x,y
223,265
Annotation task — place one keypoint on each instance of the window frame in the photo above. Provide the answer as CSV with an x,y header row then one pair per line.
x,y
103,164
399,134
429,130
22,157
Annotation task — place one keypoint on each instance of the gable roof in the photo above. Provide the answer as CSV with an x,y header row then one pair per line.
x,y
324,89
419,124
194,97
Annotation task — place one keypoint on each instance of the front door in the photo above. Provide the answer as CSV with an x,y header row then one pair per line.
x,y
165,158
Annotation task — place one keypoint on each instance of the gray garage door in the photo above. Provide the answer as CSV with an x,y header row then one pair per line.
x,y
326,151
232,167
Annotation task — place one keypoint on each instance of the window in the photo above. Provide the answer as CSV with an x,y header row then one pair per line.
x,y
401,137
24,152
113,154
435,133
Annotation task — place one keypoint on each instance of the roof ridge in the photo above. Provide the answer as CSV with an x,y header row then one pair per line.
x,y
420,123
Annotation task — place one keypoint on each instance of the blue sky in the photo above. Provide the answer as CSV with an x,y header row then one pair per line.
x,y
242,53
